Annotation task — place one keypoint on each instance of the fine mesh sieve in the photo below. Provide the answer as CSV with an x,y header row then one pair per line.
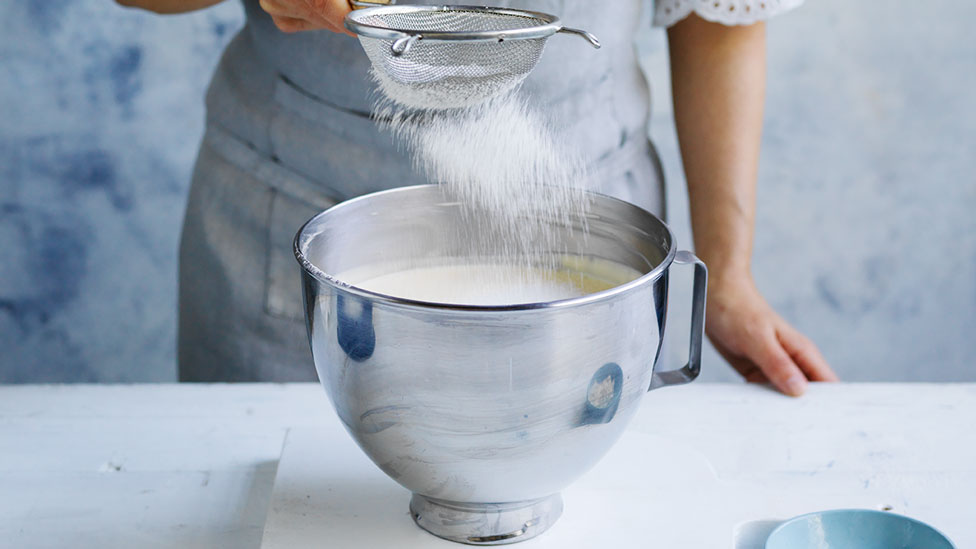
x,y
441,57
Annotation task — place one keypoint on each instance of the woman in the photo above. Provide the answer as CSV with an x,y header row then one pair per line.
x,y
288,134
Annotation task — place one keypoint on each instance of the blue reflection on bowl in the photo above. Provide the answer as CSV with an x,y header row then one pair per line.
x,y
855,528
355,327
603,395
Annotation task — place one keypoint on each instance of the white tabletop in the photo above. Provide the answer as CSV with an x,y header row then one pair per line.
x,y
195,465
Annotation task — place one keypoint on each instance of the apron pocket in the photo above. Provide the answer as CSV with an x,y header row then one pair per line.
x,y
294,200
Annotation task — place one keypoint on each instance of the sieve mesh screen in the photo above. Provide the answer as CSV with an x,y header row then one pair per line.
x,y
445,73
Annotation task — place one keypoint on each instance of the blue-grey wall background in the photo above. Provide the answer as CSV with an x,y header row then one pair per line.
x,y
101,111
866,234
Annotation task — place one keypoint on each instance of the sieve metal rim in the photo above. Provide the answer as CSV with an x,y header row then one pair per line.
x,y
354,23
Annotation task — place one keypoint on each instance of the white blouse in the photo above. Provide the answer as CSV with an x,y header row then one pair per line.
x,y
727,12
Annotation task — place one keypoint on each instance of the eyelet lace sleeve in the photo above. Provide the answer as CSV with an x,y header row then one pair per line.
x,y
727,12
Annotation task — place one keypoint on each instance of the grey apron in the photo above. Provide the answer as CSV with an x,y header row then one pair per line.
x,y
288,135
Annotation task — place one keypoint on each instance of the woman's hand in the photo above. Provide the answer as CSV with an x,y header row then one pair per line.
x,y
757,342
303,15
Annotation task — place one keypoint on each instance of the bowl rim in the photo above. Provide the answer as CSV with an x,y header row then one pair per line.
x,y
851,511
385,299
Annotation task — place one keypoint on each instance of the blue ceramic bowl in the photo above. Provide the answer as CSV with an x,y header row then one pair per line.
x,y
856,529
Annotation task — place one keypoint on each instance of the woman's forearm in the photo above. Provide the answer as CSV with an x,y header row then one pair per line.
x,y
169,6
718,81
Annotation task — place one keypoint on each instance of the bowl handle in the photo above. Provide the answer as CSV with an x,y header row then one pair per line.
x,y
690,370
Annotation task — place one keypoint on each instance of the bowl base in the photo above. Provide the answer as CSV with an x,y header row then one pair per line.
x,y
486,523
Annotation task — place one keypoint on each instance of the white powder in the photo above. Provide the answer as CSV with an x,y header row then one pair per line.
x,y
518,184
505,164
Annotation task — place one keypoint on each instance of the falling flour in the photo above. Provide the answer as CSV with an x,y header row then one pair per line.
x,y
505,164
518,184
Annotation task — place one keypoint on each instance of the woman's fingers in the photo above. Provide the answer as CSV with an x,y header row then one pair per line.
x,y
783,356
333,11
331,14
776,364
279,8
302,15
747,369
805,354
293,24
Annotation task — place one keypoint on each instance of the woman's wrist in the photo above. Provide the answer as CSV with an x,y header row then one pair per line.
x,y
726,248
728,276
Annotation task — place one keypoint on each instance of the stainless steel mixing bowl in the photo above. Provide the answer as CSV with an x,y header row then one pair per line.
x,y
486,412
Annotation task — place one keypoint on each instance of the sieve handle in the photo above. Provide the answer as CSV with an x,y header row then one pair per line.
x,y
588,36
690,370
356,4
